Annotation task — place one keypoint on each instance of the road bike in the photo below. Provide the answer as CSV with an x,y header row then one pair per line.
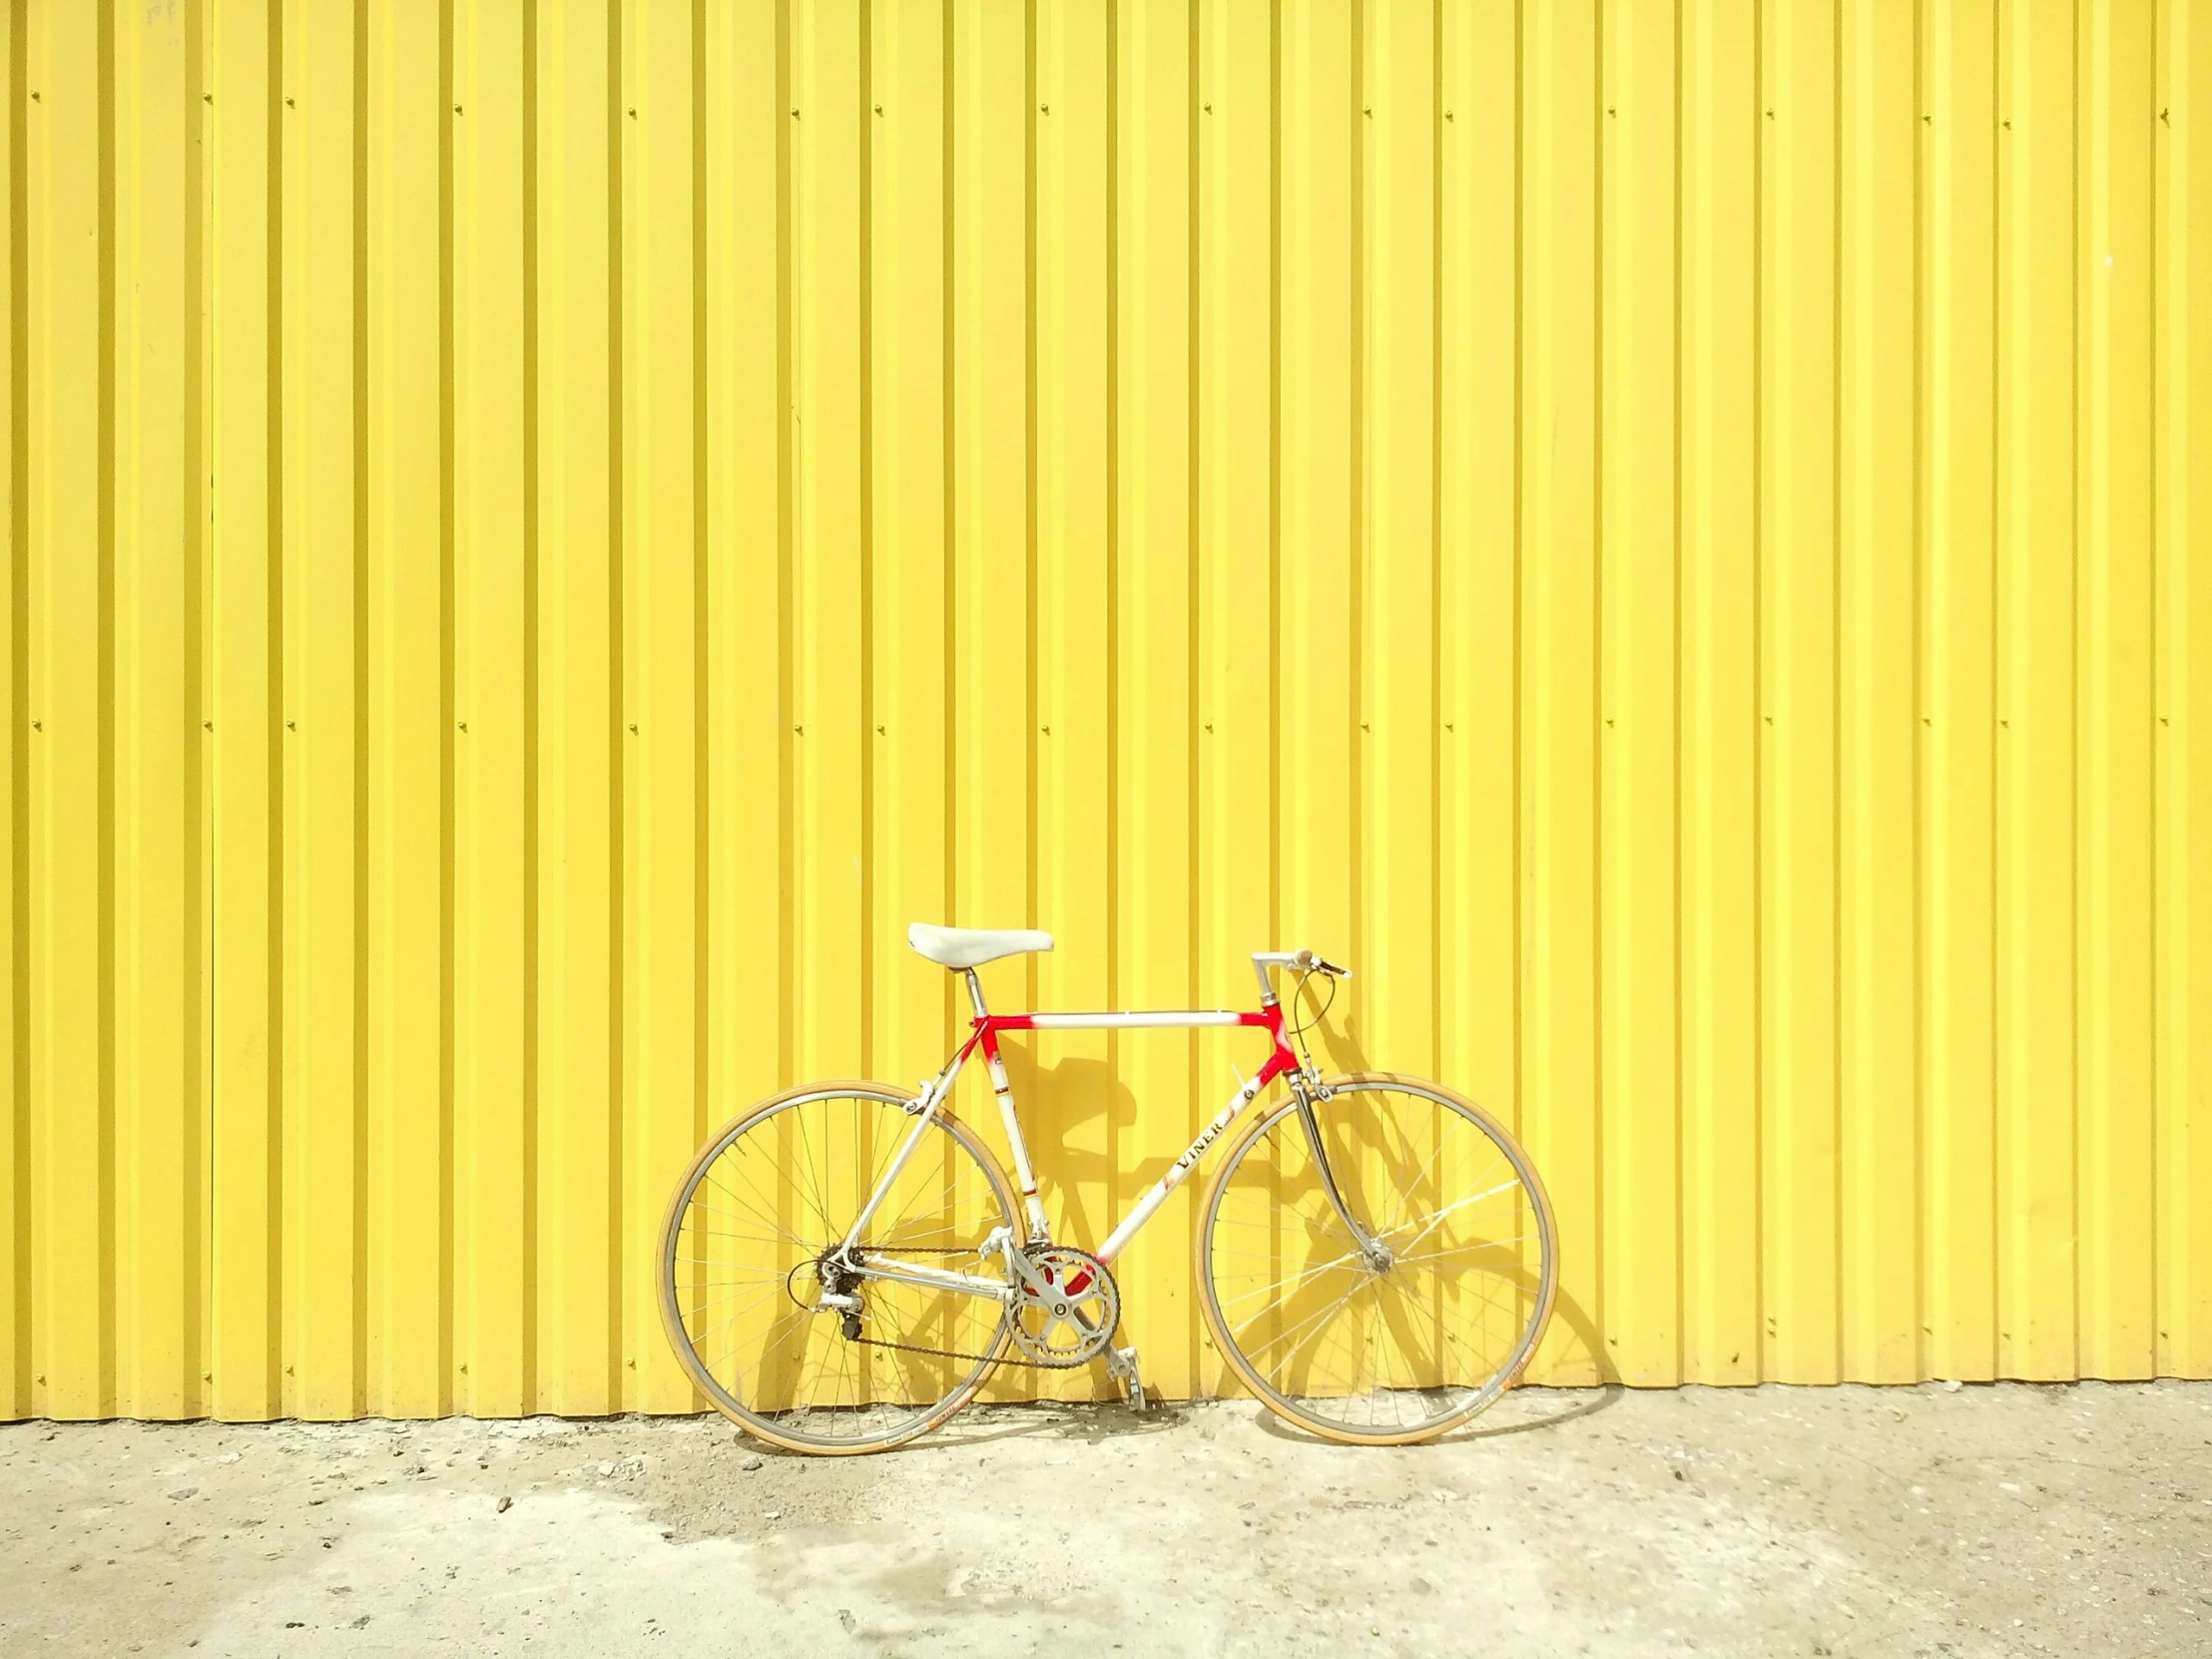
x,y
845,1264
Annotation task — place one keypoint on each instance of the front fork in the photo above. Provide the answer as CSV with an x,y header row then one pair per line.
x,y
1373,1250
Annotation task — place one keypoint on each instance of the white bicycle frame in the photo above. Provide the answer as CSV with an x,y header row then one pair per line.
x,y
987,1026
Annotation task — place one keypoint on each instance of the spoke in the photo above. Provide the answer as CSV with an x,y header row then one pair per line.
x,y
1435,1218
732,1215
1282,1293
1290,1331
1409,1189
1462,1250
714,1175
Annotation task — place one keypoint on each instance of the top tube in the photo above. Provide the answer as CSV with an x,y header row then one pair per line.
x,y
1135,1020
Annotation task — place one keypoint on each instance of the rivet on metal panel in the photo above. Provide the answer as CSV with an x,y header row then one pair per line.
x,y
1447,114
794,113
633,115
207,98
288,104
633,728
1044,109
38,725
878,109
879,731
456,109
207,725
290,726
464,726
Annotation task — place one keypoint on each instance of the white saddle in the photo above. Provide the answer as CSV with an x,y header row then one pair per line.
x,y
966,947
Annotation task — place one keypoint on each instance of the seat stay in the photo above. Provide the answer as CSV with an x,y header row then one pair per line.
x,y
931,1098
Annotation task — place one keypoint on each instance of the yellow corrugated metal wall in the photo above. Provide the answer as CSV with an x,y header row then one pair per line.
x,y
1675,537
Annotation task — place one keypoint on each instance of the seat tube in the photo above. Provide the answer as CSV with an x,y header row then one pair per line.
x,y
1033,1205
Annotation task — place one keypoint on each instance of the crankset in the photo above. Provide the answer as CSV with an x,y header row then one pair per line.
x,y
1067,1306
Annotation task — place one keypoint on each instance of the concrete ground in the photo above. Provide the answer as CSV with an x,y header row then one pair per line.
x,y
1771,1521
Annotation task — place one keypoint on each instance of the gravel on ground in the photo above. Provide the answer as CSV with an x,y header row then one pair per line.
x,y
2007,1519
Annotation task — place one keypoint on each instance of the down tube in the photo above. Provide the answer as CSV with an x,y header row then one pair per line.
x,y
1180,1171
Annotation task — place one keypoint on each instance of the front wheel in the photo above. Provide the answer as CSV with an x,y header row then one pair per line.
x,y
1407,1301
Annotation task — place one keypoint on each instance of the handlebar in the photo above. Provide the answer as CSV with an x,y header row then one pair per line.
x,y
1305,961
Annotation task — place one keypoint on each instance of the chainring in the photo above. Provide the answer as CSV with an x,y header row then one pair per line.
x,y
1074,1320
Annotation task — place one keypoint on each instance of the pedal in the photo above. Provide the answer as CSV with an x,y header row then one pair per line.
x,y
1121,1363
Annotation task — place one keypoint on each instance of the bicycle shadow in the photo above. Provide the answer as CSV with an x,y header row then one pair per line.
x,y
1522,1409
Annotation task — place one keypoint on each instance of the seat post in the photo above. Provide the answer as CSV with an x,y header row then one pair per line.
x,y
975,994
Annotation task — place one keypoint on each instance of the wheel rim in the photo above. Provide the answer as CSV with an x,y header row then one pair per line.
x,y
1405,1341
750,1248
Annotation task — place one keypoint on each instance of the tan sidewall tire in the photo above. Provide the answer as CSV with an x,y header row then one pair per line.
x,y
1524,1166
672,1321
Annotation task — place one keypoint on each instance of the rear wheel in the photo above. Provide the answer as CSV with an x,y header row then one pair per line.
x,y
1412,1321
751,1249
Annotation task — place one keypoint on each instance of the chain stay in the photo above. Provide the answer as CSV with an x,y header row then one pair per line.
x,y
1005,1327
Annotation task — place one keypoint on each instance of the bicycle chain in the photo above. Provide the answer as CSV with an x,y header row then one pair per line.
x,y
955,1354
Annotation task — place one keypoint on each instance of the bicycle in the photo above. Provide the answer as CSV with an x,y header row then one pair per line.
x,y
843,1266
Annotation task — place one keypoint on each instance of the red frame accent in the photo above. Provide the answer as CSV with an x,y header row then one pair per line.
x,y
1270,1019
